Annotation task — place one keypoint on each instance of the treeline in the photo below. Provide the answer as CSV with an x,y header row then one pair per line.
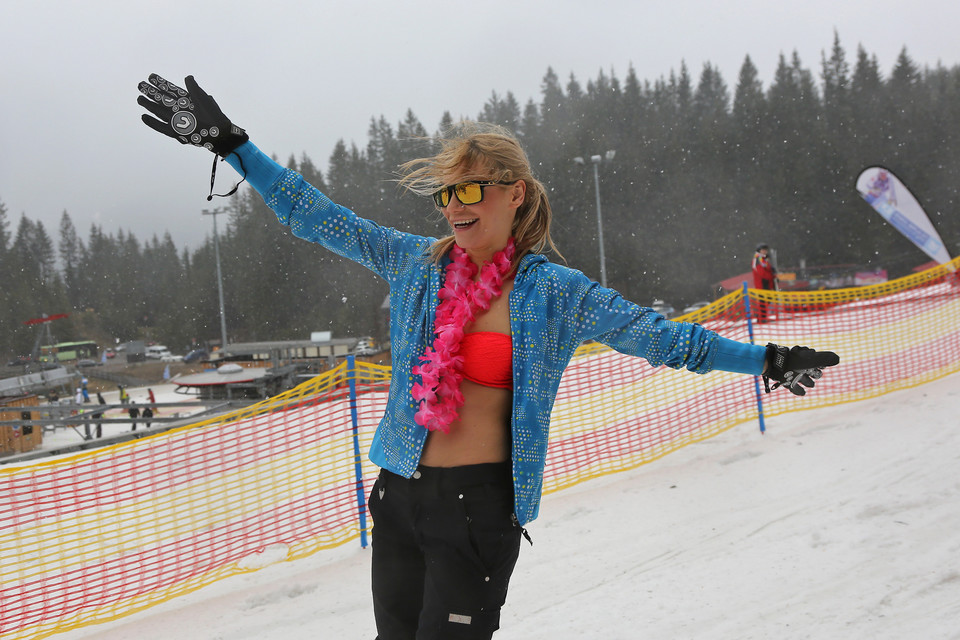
x,y
701,174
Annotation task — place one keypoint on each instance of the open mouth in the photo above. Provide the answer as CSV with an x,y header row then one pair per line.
x,y
464,224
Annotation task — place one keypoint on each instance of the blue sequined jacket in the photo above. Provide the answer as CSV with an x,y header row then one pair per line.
x,y
552,310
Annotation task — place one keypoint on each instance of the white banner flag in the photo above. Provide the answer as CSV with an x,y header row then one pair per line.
x,y
896,204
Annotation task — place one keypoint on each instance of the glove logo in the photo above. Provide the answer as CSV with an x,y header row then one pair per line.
x,y
184,122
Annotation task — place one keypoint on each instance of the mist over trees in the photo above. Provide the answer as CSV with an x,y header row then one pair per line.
x,y
702,173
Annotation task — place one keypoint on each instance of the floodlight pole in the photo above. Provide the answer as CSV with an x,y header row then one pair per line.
x,y
596,160
216,251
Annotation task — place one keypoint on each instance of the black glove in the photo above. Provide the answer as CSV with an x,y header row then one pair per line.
x,y
190,116
795,368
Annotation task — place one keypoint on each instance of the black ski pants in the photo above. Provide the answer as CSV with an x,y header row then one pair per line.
x,y
445,543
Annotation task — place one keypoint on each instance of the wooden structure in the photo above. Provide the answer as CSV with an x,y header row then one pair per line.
x,y
19,439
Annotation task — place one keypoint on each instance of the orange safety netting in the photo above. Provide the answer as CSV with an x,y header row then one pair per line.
x,y
95,536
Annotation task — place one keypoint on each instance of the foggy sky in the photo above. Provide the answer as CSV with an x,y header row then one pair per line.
x,y
298,76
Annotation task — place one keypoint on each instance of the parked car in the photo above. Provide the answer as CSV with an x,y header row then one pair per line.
x,y
87,362
169,357
365,347
20,361
197,355
110,353
156,351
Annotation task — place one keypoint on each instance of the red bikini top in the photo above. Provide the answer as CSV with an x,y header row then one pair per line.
x,y
488,359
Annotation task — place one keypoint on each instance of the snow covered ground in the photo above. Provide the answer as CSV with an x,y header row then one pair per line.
x,y
842,522
65,436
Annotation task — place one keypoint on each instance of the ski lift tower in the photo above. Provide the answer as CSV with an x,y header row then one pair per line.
x,y
43,332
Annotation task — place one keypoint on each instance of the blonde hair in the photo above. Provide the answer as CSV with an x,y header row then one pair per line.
x,y
497,156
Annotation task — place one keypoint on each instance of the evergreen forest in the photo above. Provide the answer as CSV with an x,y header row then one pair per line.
x,y
703,171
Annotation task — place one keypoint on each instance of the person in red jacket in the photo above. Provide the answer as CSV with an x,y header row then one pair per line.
x,y
764,277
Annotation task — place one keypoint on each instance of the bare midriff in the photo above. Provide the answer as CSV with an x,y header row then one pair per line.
x,y
482,432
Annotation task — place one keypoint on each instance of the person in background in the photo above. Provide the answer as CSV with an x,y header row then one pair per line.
x,y
482,326
147,415
83,386
151,397
764,277
78,399
134,413
124,396
99,414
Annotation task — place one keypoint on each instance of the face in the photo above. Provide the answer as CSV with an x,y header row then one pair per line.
x,y
483,228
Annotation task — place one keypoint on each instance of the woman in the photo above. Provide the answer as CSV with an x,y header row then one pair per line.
x,y
482,326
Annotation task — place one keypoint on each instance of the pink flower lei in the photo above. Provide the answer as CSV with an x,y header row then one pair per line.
x,y
460,298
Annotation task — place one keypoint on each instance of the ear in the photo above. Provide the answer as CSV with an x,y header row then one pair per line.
x,y
518,193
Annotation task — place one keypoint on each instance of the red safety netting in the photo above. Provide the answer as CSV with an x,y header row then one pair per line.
x,y
95,536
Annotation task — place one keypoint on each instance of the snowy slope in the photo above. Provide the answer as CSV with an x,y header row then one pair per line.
x,y
838,523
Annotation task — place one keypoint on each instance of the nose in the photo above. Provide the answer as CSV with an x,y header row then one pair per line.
x,y
454,203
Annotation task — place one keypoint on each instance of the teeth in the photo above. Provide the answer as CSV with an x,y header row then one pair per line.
x,y
464,223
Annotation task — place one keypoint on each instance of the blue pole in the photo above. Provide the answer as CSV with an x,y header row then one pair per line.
x,y
358,471
756,379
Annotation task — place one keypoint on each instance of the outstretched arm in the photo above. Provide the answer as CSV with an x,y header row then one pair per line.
x,y
606,316
191,116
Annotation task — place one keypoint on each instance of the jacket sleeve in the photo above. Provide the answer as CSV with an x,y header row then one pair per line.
x,y
311,215
604,315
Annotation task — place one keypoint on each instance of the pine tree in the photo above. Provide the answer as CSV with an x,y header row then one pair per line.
x,y
8,297
72,259
749,150
36,285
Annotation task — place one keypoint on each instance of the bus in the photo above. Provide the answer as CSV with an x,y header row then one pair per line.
x,y
65,351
